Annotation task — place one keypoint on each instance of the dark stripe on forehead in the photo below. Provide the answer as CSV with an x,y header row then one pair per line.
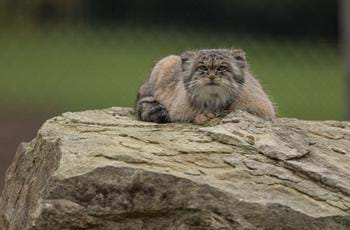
x,y
212,60
212,55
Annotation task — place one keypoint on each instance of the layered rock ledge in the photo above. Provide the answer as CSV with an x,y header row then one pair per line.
x,y
104,169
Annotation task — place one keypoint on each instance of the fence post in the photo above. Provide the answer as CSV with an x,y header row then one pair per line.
x,y
344,13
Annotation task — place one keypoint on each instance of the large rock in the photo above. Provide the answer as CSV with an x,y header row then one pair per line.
x,y
106,170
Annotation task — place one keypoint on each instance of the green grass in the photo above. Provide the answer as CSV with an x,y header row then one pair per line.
x,y
83,69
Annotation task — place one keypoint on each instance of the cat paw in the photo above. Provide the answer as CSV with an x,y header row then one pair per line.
x,y
204,118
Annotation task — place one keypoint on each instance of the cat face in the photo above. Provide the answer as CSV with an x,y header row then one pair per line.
x,y
213,78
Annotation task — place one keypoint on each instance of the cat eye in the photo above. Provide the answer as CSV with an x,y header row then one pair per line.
x,y
222,68
202,68
239,58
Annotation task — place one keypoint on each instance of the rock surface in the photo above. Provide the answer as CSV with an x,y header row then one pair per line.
x,y
105,170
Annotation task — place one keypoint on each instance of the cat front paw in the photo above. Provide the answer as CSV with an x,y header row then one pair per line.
x,y
204,118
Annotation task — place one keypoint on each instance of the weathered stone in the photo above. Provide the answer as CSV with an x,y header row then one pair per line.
x,y
106,170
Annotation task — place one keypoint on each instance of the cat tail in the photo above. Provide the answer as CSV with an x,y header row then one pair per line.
x,y
148,108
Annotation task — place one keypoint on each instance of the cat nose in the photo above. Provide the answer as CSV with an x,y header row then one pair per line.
x,y
211,77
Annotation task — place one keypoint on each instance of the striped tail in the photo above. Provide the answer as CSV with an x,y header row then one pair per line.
x,y
149,109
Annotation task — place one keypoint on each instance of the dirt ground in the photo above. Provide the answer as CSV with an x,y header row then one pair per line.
x,y
14,129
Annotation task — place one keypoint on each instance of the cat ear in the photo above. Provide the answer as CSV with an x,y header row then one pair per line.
x,y
239,56
186,59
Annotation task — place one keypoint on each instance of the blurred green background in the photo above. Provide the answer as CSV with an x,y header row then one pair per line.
x,y
74,70
70,55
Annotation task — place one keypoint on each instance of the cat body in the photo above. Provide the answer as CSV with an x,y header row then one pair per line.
x,y
200,85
